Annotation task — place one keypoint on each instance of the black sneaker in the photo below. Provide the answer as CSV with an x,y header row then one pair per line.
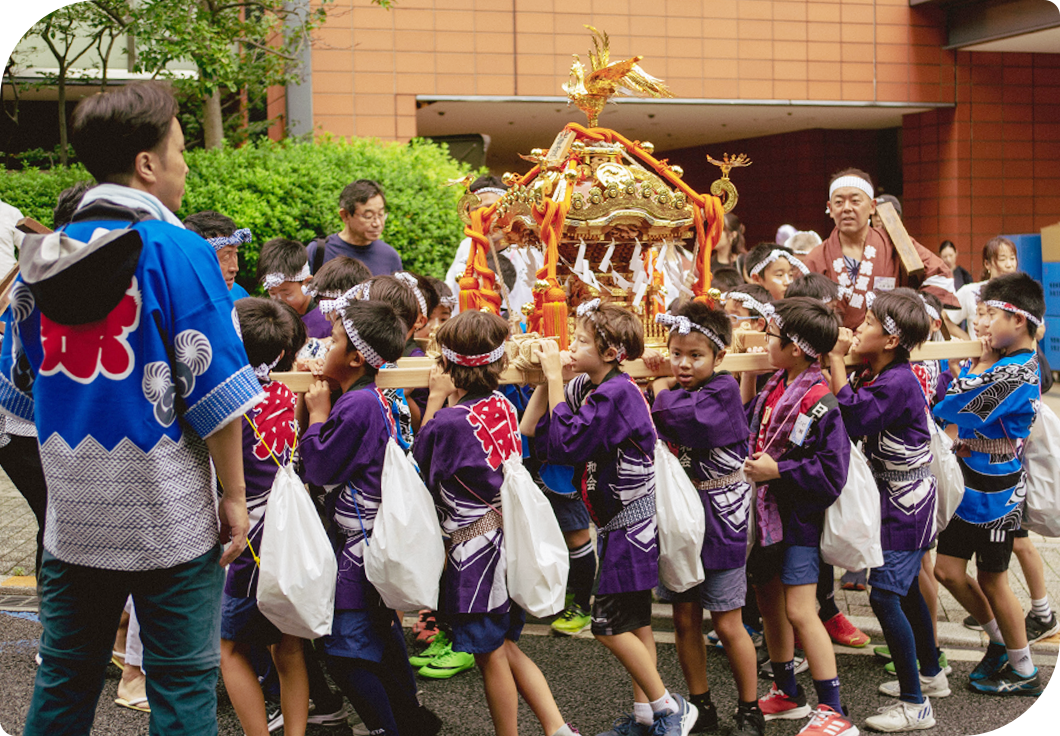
x,y
1038,629
1009,682
749,722
707,719
274,716
995,658
971,623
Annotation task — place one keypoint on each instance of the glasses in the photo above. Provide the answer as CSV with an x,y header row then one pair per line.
x,y
774,334
369,217
737,319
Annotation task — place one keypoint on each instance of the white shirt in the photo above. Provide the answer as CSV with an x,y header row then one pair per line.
x,y
10,237
968,298
527,261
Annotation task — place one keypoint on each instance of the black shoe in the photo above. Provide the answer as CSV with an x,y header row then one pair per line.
x,y
429,723
707,719
1009,682
749,722
1038,629
971,623
274,716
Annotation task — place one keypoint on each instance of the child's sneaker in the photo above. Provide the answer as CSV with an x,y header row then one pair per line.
x,y
944,663
970,623
1038,629
1009,682
765,670
995,658
437,648
934,687
883,652
845,633
447,665
707,720
826,722
627,726
777,705
902,716
854,580
676,724
573,620
749,722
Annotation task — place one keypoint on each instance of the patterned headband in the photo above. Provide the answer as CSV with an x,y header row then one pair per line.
x,y
491,190
357,294
998,304
803,345
370,355
473,361
891,328
588,310
851,181
683,325
931,311
410,281
777,254
272,280
240,236
310,290
749,302
262,371
448,301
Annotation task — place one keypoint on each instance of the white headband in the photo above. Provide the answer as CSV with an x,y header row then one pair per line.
x,y
998,304
931,311
371,356
891,328
410,281
749,302
272,280
262,371
491,190
472,361
851,181
240,236
356,294
803,345
448,301
777,254
683,325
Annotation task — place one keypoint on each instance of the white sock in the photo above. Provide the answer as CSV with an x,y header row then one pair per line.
x,y
665,704
565,730
1020,660
643,714
1041,609
993,631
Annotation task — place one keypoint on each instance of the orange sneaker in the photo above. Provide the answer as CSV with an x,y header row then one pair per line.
x,y
826,722
845,633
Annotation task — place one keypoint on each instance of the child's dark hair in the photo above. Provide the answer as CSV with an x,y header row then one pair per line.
x,y
726,279
268,327
504,268
399,296
614,327
1019,290
443,291
379,325
473,332
760,252
426,290
904,307
67,202
338,276
930,300
809,320
757,292
815,285
281,255
210,224
712,318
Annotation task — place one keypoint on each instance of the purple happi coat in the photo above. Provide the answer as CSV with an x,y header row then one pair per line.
x,y
890,412
316,324
606,432
460,452
707,431
345,456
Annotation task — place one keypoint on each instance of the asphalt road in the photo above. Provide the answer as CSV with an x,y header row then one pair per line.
x,y
589,685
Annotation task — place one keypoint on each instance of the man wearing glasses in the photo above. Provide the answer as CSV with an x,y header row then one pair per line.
x,y
362,208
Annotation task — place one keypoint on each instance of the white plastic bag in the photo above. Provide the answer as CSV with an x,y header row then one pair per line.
x,y
851,537
404,556
681,521
296,582
536,552
1041,458
947,471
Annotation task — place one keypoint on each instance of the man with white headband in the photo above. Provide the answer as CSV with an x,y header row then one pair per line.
x,y
862,259
362,209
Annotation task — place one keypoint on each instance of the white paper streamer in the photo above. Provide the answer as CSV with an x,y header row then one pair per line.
x,y
607,257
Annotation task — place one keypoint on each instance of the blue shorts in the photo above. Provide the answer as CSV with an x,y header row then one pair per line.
x,y
482,633
796,565
720,591
360,634
570,511
900,569
241,621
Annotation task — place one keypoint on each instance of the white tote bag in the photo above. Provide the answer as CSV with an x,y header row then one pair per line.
x,y
1041,458
681,521
851,537
296,581
947,472
536,552
404,557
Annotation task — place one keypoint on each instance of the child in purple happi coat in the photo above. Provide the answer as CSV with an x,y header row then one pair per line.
x,y
885,404
469,430
343,450
799,458
601,424
283,269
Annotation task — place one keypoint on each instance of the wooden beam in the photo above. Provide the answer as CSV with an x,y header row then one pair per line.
x,y
413,372
903,244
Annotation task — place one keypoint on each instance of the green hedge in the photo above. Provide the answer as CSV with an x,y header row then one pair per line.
x,y
291,189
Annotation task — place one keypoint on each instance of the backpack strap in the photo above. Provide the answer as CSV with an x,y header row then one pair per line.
x,y
318,255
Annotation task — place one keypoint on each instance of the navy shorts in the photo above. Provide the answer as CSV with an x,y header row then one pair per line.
x,y
482,633
796,565
241,621
570,511
992,549
720,591
617,613
900,569
360,634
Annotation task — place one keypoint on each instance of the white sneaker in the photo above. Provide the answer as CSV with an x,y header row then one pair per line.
x,y
934,687
903,716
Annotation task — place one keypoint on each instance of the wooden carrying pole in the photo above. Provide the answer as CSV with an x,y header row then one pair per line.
x,y
903,244
413,372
